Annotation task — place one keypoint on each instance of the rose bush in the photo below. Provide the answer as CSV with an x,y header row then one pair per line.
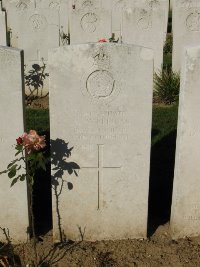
x,y
29,149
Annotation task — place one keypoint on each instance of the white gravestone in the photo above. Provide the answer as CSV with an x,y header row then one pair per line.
x,y
117,7
14,212
144,25
90,21
14,10
104,112
185,215
186,28
120,5
35,28
38,31
3,40
62,6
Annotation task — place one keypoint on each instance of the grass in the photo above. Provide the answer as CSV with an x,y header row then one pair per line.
x,y
164,122
37,119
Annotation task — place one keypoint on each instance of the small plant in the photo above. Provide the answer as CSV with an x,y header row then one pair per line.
x,y
166,86
30,157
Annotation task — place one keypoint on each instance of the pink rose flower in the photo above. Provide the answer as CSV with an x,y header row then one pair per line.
x,y
32,141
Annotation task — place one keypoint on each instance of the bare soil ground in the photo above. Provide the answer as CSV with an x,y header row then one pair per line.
x,y
158,250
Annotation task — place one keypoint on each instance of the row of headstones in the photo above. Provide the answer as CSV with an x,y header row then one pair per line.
x,y
38,25
102,106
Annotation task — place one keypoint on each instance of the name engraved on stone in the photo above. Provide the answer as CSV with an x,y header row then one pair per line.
x,y
54,5
193,21
194,132
144,22
111,125
194,213
100,84
100,168
89,22
38,22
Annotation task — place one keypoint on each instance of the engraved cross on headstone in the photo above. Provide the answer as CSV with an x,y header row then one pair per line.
x,y
100,168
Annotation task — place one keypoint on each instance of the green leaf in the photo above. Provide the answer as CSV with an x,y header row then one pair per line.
x,y
19,148
12,163
22,177
17,153
14,181
31,156
19,168
12,171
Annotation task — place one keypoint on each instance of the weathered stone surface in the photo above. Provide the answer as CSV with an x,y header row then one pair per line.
x,y
185,215
90,21
62,6
14,10
14,213
144,23
35,27
97,95
2,26
117,9
120,5
186,28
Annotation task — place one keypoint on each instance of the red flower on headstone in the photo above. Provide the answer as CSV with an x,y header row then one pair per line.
x,y
102,41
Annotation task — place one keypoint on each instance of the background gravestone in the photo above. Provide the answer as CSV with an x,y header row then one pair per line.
x,y
186,28
62,6
2,27
36,26
14,213
120,5
39,31
14,10
185,217
90,21
101,98
117,7
144,24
